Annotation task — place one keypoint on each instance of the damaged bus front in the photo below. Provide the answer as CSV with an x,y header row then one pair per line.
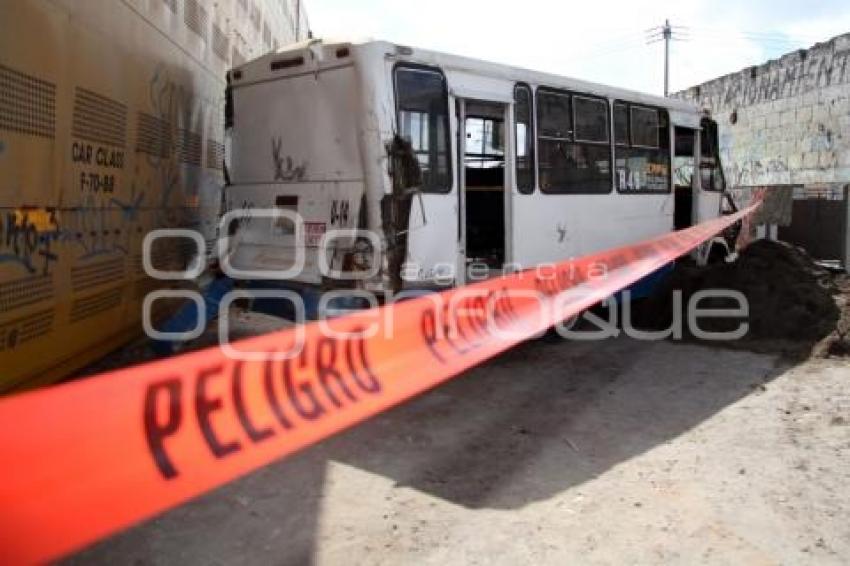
x,y
300,170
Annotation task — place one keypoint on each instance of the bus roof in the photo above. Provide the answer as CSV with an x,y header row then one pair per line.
x,y
326,52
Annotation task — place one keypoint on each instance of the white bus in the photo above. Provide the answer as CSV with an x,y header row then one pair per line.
x,y
411,168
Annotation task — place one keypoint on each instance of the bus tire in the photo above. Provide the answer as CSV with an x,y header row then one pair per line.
x,y
717,253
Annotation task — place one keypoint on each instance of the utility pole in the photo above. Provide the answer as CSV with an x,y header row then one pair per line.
x,y
847,228
297,20
665,33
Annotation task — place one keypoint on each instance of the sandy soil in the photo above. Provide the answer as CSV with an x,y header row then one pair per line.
x,y
554,453
564,452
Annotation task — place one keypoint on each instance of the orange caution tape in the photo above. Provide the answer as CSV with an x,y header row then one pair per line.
x,y
85,459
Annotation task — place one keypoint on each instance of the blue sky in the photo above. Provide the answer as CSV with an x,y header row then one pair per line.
x,y
598,40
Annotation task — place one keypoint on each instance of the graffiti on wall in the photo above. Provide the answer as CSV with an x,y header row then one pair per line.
x,y
790,76
752,172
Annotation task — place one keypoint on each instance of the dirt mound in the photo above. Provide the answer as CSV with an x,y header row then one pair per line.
x,y
837,344
793,302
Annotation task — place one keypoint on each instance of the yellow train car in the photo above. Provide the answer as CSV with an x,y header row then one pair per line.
x,y
111,125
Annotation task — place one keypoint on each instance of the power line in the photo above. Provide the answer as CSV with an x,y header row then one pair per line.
x,y
614,42
766,37
752,33
627,46
613,45
770,41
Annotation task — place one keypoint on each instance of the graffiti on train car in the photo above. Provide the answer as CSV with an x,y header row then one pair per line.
x,y
107,218
173,104
105,224
27,236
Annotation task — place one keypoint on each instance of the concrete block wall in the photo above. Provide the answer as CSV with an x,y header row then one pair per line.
x,y
786,121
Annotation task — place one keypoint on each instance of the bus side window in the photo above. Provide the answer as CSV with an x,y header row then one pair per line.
x,y
423,121
573,144
621,124
642,149
711,172
524,139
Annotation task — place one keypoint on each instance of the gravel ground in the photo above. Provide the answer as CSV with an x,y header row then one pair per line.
x,y
554,453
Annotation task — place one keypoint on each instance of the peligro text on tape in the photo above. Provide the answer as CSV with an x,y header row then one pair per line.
x,y
137,441
342,372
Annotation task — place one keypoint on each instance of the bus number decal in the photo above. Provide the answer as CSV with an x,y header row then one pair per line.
x,y
339,212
